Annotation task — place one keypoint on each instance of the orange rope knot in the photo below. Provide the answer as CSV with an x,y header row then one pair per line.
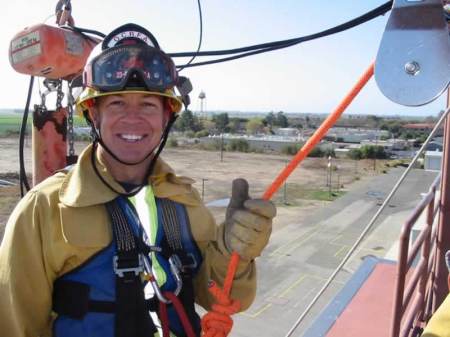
x,y
217,322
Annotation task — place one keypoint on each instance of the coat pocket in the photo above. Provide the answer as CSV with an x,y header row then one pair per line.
x,y
85,226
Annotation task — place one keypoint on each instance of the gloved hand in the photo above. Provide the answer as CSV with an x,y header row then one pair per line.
x,y
248,222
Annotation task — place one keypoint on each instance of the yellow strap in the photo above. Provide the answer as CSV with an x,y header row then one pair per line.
x,y
145,205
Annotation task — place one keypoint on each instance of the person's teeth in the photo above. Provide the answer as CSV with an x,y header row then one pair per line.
x,y
131,137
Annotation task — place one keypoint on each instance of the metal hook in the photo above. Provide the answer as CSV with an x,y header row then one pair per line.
x,y
175,263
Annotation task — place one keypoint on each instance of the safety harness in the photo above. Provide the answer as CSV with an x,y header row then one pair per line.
x,y
120,267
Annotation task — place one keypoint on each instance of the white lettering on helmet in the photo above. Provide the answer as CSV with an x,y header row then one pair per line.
x,y
129,34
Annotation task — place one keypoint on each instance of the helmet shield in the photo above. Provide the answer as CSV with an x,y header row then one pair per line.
x,y
131,66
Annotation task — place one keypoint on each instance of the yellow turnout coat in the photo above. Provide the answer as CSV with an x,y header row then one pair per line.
x,y
62,222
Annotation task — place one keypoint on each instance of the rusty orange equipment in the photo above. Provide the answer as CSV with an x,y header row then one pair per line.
x,y
49,143
50,52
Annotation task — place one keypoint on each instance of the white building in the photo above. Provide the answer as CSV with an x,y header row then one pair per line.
x,y
432,160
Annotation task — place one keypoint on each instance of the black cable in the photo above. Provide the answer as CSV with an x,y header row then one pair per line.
x,y
266,47
23,180
365,17
200,37
89,31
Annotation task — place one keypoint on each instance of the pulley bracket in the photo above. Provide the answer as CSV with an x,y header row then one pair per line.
x,y
413,61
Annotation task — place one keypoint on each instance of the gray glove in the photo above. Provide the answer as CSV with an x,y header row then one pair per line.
x,y
248,222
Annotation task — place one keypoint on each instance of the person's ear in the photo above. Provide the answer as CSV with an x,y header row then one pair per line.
x,y
94,115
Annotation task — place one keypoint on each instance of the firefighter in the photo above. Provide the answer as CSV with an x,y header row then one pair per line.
x,y
92,249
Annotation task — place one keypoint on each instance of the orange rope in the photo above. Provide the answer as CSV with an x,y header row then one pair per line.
x,y
318,135
218,323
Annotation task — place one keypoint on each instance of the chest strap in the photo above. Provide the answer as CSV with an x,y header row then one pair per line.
x,y
132,316
179,238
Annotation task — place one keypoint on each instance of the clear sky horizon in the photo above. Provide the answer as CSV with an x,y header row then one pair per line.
x,y
310,77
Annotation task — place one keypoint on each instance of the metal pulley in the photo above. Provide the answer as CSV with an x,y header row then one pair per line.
x,y
413,61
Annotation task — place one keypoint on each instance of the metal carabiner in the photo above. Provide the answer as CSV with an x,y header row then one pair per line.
x,y
174,263
175,266
152,280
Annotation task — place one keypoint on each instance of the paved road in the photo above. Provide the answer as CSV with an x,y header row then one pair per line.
x,y
302,256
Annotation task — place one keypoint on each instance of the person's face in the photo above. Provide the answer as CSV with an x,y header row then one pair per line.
x,y
131,125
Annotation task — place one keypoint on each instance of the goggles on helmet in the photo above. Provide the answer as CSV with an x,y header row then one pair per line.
x,y
131,66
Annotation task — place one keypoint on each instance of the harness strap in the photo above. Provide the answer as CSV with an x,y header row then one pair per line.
x,y
171,224
178,241
179,238
132,317
72,299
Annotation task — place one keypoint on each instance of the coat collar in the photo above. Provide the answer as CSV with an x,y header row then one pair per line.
x,y
82,187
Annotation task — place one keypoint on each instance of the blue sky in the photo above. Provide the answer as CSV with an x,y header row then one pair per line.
x,y
311,77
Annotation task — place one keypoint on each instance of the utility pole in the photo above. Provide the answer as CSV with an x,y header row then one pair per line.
x,y
285,189
203,188
221,147
376,149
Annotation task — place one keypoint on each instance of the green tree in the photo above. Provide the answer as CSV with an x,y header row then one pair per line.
x,y
407,135
202,133
188,122
394,128
329,152
373,121
281,120
221,120
209,126
373,152
270,119
254,125
290,149
355,154
316,152
234,125
240,145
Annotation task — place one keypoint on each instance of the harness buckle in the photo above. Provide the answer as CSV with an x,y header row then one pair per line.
x,y
120,271
175,267
192,265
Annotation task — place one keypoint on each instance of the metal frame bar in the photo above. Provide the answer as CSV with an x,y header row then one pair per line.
x,y
411,296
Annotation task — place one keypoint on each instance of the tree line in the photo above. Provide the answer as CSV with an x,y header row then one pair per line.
x,y
222,123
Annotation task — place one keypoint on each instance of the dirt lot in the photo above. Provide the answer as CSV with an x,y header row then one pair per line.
x,y
214,177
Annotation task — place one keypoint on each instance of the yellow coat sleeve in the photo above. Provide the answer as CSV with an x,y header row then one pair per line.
x,y
439,324
25,287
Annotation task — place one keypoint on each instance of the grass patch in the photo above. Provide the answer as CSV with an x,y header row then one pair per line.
x,y
323,195
10,123
296,192
398,162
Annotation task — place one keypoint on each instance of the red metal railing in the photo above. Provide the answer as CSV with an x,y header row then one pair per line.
x,y
414,278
